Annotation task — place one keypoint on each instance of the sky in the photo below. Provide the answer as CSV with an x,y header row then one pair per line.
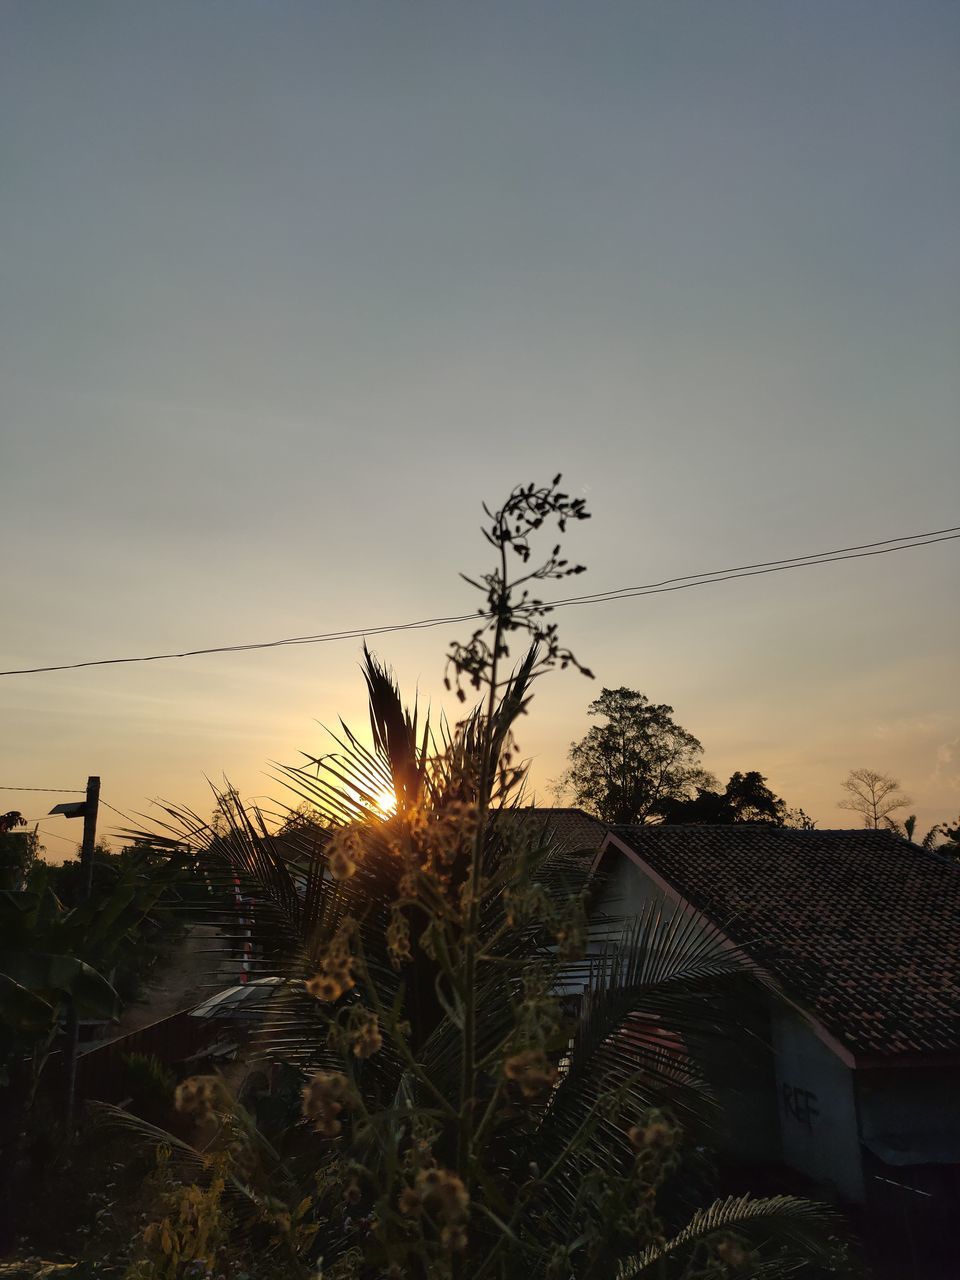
x,y
288,290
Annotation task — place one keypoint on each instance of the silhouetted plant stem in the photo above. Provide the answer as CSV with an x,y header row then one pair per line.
x,y
469,1069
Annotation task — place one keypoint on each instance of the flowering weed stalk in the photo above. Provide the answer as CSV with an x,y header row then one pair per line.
x,y
483,1094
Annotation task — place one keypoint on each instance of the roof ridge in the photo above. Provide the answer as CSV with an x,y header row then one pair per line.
x,y
564,808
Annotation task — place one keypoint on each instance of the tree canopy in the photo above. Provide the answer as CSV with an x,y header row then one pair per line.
x,y
18,849
630,769
746,798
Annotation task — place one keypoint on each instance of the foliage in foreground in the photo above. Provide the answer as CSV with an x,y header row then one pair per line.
x,y
487,1088
55,958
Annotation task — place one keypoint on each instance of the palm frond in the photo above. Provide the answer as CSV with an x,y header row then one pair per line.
x,y
660,982
194,1163
652,1019
395,733
189,1157
801,1232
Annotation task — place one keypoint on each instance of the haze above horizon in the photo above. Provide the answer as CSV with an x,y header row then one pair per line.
x,y
289,290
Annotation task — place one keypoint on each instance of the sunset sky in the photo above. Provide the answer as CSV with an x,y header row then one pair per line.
x,y
287,290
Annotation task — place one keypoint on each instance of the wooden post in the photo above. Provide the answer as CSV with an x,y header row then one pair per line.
x,y
90,810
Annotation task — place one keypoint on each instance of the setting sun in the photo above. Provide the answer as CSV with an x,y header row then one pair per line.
x,y
386,802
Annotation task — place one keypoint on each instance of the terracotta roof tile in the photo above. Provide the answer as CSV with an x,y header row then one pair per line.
x,y
576,832
861,927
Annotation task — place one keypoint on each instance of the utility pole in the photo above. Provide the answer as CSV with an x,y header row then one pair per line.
x,y
90,808
88,811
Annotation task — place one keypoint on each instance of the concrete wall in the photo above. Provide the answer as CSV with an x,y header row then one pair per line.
x,y
818,1110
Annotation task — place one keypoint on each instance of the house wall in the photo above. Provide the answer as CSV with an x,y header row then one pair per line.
x,y
625,889
746,1086
747,1092
818,1109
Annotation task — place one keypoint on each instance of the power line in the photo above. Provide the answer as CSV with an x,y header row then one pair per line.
x,y
120,814
813,557
704,580
860,551
58,791
669,584
65,839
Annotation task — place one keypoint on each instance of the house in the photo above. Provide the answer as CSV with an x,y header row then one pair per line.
x,y
860,931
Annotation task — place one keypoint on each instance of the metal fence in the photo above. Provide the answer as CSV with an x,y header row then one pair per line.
x,y
102,1074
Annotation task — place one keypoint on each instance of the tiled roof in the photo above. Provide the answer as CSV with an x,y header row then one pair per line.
x,y
571,831
575,831
861,927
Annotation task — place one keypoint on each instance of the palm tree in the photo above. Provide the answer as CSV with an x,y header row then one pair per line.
x,y
494,1089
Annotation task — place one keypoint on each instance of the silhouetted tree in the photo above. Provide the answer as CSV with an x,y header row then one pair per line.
x,y
631,768
746,798
951,846
18,849
67,878
303,816
908,830
799,819
873,795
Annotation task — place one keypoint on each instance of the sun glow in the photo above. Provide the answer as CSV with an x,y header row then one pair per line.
x,y
386,803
